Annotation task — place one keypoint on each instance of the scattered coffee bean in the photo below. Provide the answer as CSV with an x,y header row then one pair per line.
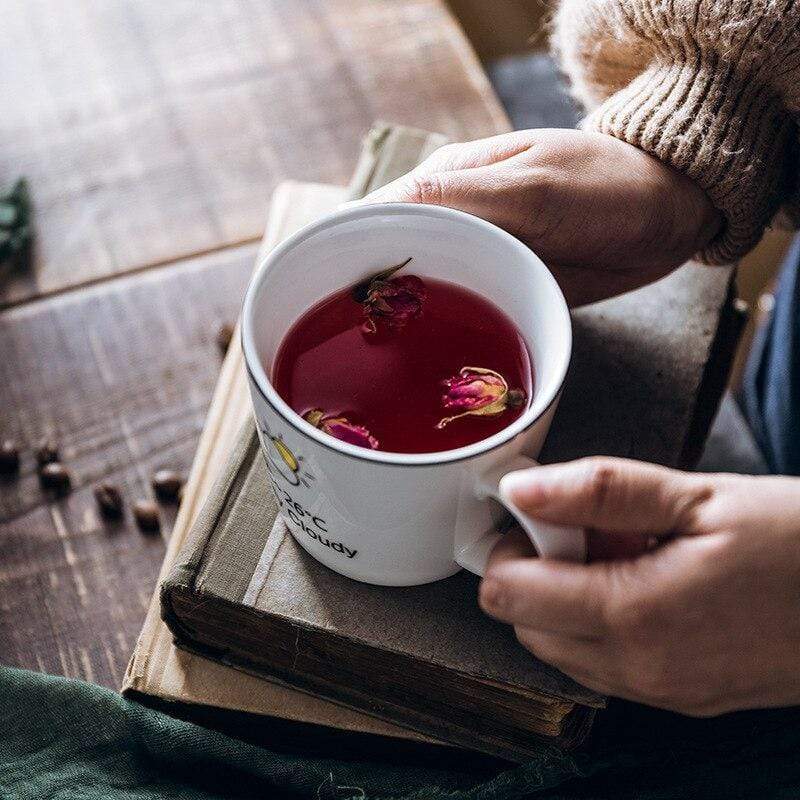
x,y
167,485
47,452
224,336
145,512
55,477
9,457
109,500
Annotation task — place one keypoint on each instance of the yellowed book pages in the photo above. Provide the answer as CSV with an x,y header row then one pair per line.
x,y
157,667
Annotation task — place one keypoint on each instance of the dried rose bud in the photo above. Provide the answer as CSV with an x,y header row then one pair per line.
x,y
341,428
9,457
109,500
474,389
145,512
396,301
47,452
55,478
479,392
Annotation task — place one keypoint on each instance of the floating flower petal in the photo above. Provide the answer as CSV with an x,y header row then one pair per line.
x,y
341,428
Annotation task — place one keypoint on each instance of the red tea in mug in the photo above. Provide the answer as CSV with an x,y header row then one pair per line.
x,y
406,365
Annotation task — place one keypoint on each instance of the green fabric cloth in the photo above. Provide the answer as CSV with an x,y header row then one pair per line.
x,y
64,739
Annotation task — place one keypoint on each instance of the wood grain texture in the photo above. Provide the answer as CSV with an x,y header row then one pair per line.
x,y
152,131
120,375
152,134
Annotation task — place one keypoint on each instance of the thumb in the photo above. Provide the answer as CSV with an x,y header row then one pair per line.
x,y
422,183
476,191
610,494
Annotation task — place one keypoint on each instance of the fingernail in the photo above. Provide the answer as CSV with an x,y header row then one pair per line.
x,y
522,485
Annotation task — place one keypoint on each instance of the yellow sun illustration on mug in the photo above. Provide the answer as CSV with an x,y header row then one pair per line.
x,y
281,459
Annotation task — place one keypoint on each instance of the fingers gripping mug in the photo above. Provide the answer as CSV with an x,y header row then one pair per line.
x,y
390,518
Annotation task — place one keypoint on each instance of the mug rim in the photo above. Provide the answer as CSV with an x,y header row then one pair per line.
x,y
269,394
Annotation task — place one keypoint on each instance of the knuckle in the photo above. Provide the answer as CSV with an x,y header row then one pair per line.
x,y
492,595
444,153
427,188
599,481
695,507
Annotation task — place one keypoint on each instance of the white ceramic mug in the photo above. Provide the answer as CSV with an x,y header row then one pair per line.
x,y
390,518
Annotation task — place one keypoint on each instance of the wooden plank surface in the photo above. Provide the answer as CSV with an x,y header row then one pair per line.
x,y
119,375
151,131
152,134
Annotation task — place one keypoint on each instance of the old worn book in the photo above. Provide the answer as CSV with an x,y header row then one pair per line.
x,y
243,592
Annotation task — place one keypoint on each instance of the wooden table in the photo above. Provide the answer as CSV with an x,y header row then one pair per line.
x,y
152,135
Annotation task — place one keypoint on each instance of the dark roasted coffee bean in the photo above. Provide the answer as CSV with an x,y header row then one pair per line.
x,y
47,452
224,336
167,485
109,500
145,512
9,457
55,478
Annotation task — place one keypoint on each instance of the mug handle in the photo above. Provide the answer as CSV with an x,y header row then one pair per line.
x,y
551,541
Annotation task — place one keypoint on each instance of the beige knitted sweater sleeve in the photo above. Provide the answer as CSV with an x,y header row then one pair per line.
x,y
711,87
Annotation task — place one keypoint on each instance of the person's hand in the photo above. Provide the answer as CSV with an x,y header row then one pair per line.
x,y
603,215
705,622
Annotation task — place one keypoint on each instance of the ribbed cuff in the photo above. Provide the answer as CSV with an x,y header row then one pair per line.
x,y
730,134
